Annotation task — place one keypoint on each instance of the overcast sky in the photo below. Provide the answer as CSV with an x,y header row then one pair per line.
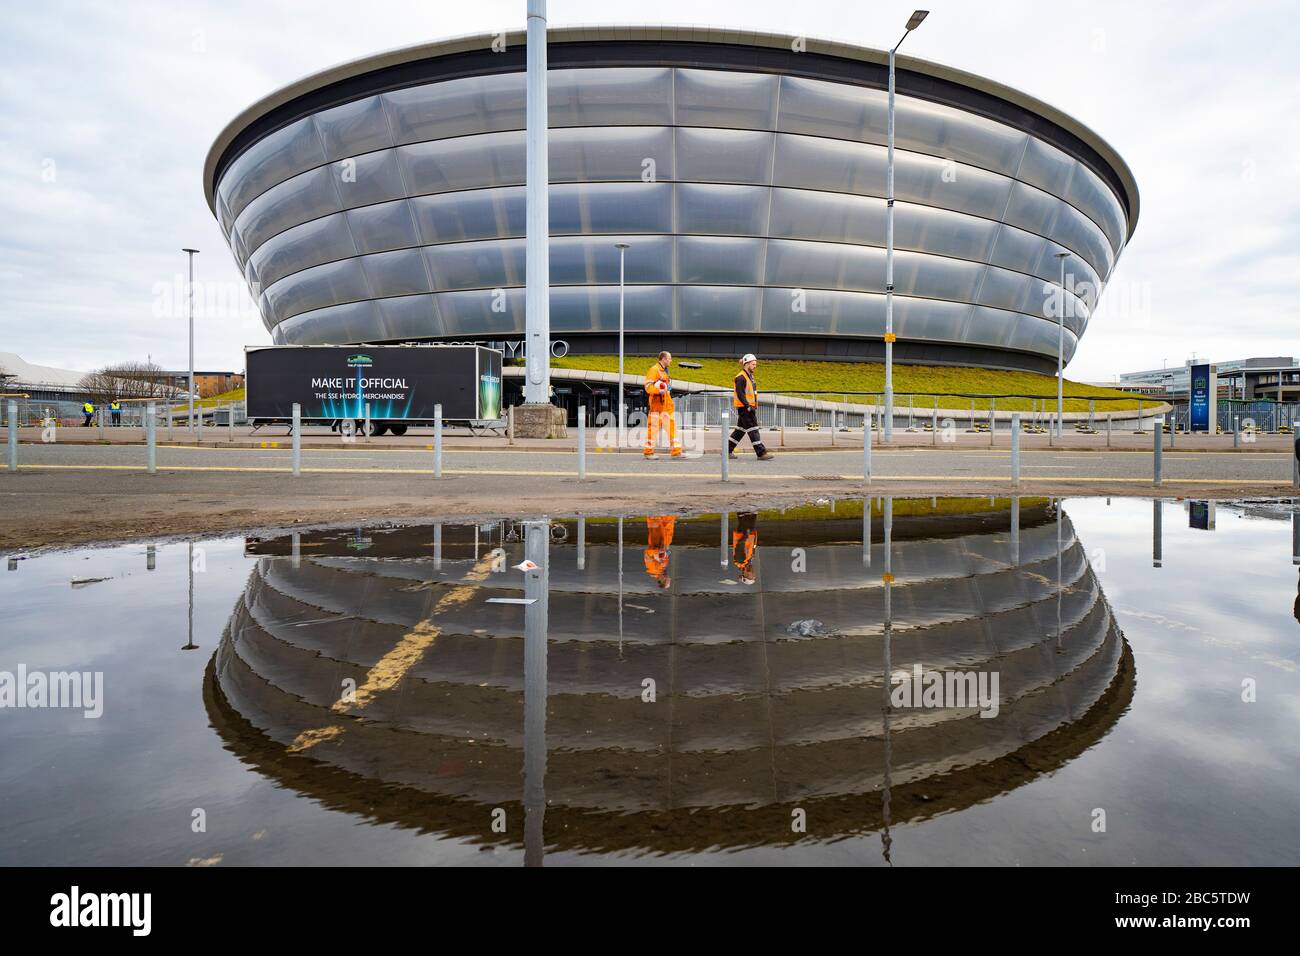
x,y
107,111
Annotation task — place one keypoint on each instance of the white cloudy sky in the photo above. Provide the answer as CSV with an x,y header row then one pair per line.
x,y
107,110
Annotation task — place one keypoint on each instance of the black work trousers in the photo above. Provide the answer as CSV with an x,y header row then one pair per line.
x,y
746,424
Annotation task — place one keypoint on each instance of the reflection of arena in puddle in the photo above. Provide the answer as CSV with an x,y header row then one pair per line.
x,y
749,718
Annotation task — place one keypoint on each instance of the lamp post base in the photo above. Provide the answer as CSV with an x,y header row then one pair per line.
x,y
540,420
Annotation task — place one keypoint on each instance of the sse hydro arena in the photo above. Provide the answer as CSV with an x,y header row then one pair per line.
x,y
383,201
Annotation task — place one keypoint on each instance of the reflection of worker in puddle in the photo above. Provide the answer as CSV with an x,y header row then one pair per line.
x,y
657,555
744,541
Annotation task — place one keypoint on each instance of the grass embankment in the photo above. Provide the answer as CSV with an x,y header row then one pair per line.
x,y
949,385
214,401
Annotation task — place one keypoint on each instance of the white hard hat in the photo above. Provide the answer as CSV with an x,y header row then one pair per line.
x,y
747,358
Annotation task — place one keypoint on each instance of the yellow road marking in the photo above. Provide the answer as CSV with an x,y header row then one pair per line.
x,y
388,671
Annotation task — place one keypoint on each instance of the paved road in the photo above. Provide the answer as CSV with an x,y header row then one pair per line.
x,y
917,464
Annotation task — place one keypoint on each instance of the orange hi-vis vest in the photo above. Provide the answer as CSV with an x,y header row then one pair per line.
x,y
661,399
748,387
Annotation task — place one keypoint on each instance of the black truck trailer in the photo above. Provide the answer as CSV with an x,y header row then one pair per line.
x,y
391,387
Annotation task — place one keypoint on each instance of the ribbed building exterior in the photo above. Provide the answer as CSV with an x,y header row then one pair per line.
x,y
383,201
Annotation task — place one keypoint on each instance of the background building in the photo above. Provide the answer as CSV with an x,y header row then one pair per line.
x,y
206,384
1271,377
383,200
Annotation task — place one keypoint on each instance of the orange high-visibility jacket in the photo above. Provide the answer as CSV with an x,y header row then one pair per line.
x,y
661,399
745,387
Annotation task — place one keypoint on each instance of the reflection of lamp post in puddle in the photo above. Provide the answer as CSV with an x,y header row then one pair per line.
x,y
886,841
537,542
722,520
190,645
1157,534
1060,580
437,547
1015,532
150,557
582,544
866,532
620,588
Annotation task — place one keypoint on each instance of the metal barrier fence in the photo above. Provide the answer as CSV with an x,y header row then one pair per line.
x,y
36,413
922,412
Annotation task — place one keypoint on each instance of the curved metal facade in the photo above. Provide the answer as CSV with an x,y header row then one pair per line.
x,y
752,201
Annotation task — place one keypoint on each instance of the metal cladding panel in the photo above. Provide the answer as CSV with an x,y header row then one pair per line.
x,y
752,202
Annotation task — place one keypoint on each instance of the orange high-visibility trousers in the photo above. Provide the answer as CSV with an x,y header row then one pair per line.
x,y
657,421
659,540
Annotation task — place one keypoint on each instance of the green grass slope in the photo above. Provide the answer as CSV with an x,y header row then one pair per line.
x,y
925,382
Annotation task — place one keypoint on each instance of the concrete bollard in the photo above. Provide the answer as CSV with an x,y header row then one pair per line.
x,y
866,456
437,441
582,442
297,439
510,426
230,424
151,437
1015,448
13,435
1236,432
723,431
365,428
1159,448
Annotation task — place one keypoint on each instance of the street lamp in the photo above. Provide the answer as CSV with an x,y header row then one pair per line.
x,y
190,398
913,22
1060,347
622,248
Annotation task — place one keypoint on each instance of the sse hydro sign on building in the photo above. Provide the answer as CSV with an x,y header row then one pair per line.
x,y
383,201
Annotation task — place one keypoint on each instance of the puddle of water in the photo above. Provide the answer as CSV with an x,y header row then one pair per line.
x,y
985,682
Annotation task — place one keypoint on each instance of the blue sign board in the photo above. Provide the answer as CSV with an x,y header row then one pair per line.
x,y
1200,399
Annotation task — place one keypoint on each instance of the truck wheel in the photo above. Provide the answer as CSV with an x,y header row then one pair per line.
x,y
378,428
397,430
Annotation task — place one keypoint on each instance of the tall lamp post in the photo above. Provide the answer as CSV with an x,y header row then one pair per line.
x,y
622,248
913,22
537,278
1060,347
190,397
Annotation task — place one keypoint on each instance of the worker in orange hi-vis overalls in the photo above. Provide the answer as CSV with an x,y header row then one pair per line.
x,y
658,386
656,550
744,541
